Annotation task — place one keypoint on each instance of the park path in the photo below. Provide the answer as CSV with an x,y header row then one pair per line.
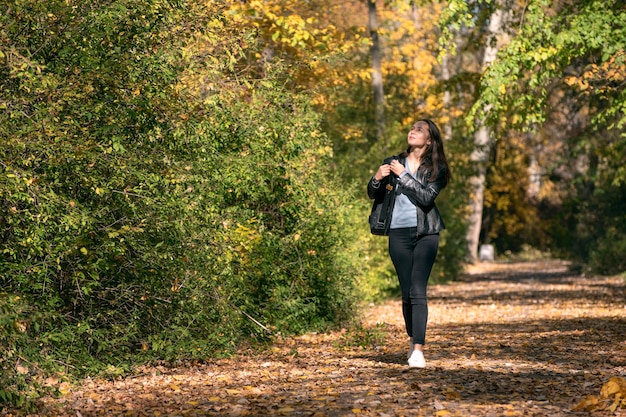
x,y
508,339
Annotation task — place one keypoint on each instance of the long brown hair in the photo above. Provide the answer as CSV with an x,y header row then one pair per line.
x,y
434,157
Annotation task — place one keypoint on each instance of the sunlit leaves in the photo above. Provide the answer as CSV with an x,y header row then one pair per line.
x,y
454,16
550,47
612,397
154,175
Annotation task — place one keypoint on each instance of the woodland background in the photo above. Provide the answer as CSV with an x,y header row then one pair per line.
x,y
179,179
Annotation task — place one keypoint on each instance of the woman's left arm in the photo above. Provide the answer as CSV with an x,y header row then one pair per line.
x,y
422,190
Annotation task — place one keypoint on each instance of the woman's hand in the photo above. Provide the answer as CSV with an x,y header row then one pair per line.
x,y
382,172
396,167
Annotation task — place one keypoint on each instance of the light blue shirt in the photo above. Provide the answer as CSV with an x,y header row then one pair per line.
x,y
404,211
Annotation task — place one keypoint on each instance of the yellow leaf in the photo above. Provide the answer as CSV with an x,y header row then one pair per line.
x,y
451,394
612,387
588,403
442,413
65,388
19,326
84,251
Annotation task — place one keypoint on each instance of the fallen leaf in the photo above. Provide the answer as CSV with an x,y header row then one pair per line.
x,y
587,403
614,386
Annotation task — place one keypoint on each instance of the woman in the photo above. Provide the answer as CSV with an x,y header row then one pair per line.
x,y
418,175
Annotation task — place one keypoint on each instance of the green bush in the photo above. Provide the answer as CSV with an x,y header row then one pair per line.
x,y
591,230
12,339
607,255
144,216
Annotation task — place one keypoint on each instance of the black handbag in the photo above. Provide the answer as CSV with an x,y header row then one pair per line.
x,y
380,217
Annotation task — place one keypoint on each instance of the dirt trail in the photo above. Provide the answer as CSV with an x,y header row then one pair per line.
x,y
524,339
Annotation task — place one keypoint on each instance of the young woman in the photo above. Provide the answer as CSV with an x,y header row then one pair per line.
x,y
418,175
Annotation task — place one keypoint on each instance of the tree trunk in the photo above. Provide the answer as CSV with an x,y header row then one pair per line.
x,y
534,172
480,157
445,77
377,74
483,144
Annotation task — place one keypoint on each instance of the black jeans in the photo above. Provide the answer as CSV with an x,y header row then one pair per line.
x,y
413,259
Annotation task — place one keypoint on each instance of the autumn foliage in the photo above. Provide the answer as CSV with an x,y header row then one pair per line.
x,y
182,179
161,197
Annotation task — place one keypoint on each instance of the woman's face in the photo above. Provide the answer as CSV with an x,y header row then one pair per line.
x,y
418,135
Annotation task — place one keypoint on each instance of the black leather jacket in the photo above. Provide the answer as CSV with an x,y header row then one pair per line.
x,y
420,191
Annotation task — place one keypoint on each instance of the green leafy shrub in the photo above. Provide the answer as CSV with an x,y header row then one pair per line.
x,y
589,227
607,256
12,329
145,215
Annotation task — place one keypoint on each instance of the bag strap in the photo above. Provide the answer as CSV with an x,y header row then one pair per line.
x,y
390,187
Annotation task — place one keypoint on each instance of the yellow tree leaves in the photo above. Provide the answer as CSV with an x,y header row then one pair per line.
x,y
288,28
601,78
325,47
410,61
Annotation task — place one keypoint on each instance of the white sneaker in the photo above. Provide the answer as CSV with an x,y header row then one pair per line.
x,y
417,359
411,348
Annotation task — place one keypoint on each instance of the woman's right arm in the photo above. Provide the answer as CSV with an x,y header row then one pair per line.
x,y
377,179
372,187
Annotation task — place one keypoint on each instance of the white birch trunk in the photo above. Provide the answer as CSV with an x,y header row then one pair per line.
x,y
482,147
